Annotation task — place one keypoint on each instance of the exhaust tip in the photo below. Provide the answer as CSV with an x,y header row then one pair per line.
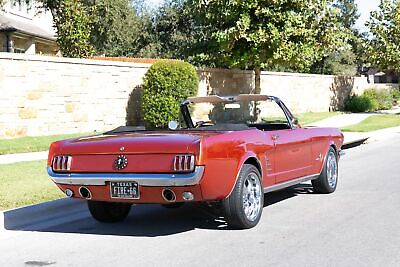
x,y
169,195
85,193
69,193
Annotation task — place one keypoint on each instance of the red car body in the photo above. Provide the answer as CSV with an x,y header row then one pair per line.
x,y
283,157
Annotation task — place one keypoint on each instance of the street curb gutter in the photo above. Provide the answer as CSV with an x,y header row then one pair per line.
x,y
43,215
354,143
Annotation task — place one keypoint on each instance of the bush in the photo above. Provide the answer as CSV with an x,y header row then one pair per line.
x,y
357,103
166,85
370,100
382,99
396,95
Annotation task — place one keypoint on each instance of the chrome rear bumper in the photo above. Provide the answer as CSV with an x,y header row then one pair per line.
x,y
144,179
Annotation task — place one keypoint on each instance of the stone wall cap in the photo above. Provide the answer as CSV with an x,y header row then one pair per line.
x,y
55,59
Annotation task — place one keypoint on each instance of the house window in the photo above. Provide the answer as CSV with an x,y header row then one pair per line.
x,y
24,8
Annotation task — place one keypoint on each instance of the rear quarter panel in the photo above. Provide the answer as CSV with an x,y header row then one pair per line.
x,y
321,140
223,155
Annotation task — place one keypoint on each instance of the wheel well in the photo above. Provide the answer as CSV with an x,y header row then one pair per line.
x,y
334,148
255,163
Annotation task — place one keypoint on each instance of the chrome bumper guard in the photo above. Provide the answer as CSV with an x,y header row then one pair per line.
x,y
144,179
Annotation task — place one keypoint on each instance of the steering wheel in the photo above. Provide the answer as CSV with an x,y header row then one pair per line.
x,y
203,123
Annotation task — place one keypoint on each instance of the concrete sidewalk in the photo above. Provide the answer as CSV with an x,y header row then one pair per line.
x,y
342,120
19,157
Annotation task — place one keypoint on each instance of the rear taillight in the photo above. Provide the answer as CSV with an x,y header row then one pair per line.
x,y
184,163
62,163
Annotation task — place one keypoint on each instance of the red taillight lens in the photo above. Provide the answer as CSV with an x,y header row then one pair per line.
x,y
62,163
184,163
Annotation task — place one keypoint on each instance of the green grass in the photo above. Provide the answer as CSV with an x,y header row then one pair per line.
x,y
26,183
310,117
374,123
31,143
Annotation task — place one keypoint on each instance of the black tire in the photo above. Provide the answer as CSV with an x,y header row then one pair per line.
x,y
234,207
326,183
108,212
173,205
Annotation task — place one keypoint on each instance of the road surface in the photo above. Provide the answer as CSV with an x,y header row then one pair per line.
x,y
358,225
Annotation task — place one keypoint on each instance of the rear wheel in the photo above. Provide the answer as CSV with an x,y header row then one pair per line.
x,y
243,208
327,181
108,212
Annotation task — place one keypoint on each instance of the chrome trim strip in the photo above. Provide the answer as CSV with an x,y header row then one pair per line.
x,y
145,179
290,183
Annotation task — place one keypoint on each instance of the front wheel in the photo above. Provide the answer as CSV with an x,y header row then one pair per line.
x,y
108,212
243,208
327,181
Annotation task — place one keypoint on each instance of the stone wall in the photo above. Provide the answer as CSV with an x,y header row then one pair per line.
x,y
310,92
49,95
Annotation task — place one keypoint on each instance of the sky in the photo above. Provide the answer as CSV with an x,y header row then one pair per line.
x,y
365,7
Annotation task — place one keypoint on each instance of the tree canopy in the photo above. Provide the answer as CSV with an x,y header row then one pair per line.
x,y
73,29
284,35
384,25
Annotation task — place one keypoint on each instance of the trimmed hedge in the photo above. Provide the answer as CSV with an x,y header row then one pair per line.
x,y
166,85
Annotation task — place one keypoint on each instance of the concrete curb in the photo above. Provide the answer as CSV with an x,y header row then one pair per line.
x,y
43,215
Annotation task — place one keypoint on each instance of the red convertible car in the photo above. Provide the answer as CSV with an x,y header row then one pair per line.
x,y
225,150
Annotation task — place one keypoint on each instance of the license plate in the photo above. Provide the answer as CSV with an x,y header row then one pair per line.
x,y
125,190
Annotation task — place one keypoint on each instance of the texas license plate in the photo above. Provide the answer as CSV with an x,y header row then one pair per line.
x,y
125,190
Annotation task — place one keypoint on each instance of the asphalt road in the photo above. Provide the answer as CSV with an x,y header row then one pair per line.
x,y
358,225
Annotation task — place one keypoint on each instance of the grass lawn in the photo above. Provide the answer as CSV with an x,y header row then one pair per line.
x,y
374,123
26,183
31,143
310,117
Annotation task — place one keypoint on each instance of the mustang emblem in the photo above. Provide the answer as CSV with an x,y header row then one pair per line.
x,y
121,162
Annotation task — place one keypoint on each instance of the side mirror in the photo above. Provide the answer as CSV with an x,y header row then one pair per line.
x,y
295,121
173,125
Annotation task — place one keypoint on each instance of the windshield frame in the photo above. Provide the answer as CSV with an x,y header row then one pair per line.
x,y
231,99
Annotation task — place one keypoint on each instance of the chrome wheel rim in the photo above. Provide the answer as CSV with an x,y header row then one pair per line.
x,y
332,169
251,197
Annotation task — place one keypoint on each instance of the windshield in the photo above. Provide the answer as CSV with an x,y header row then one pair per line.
x,y
211,112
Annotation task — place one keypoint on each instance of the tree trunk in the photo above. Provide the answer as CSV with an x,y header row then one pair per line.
x,y
257,80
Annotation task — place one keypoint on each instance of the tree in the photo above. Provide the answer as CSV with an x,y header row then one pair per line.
x,y
348,12
174,30
73,29
116,30
384,25
273,35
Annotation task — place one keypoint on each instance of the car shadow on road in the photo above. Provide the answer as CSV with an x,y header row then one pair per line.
x,y
143,220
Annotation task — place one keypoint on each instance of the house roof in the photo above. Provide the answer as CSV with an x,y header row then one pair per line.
x,y
8,24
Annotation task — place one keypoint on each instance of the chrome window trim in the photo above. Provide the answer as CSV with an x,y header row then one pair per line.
x,y
145,179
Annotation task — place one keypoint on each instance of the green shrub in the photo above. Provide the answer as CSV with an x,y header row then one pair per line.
x,y
396,95
372,95
370,100
166,85
357,103
382,98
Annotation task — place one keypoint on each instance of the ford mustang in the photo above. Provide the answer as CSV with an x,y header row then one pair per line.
x,y
223,150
